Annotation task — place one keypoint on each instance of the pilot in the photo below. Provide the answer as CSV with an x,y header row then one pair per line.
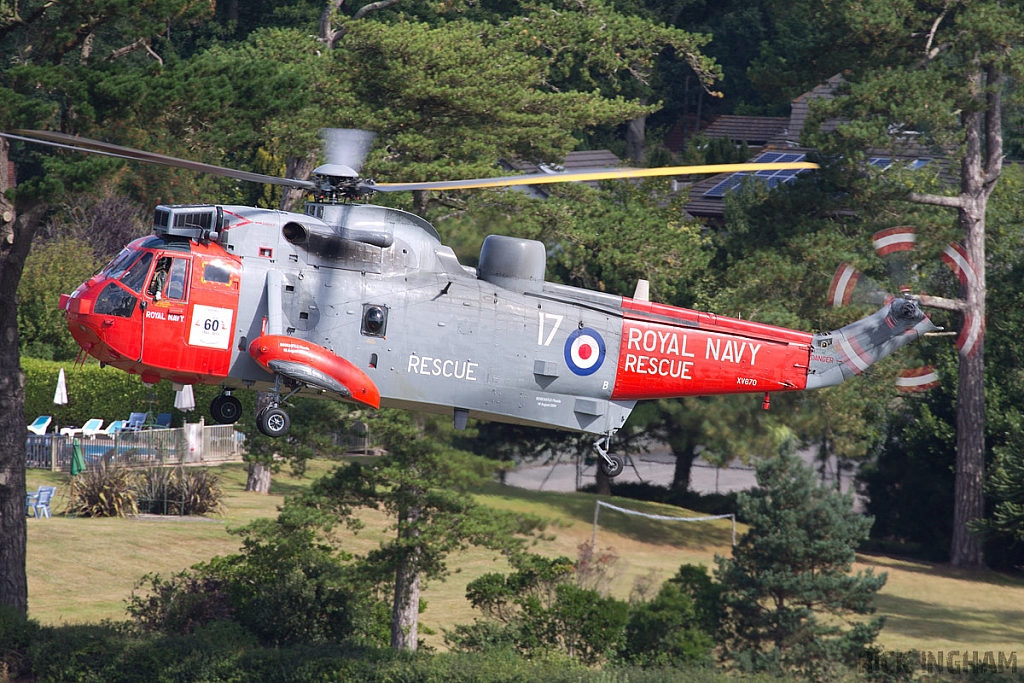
x,y
156,285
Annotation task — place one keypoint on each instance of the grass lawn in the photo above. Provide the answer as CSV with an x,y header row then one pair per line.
x,y
84,569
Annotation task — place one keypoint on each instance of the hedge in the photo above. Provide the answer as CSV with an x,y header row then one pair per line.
x,y
108,393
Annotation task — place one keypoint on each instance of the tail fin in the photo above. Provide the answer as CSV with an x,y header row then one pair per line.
x,y
850,350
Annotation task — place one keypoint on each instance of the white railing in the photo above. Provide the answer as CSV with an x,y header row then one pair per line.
x,y
193,444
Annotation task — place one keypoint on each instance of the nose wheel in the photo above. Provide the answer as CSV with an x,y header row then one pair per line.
x,y
226,409
611,465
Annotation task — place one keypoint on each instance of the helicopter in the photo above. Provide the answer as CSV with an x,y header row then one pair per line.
x,y
363,303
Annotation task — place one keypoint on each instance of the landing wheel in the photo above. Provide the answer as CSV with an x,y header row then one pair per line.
x,y
274,422
611,465
226,409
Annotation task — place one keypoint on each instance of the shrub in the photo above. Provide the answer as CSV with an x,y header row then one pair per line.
x,y
16,634
539,608
179,491
103,491
666,631
284,588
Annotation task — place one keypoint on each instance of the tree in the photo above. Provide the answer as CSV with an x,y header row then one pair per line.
x,y
423,486
789,600
49,43
937,74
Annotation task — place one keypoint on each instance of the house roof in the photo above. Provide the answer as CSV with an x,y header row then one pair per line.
x,y
801,109
593,159
756,131
574,161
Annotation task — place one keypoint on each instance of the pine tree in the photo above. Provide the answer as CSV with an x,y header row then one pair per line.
x,y
787,591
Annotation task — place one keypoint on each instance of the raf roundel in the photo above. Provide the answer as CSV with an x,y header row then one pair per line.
x,y
584,351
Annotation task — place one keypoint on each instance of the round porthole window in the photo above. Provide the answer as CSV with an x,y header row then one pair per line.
x,y
375,320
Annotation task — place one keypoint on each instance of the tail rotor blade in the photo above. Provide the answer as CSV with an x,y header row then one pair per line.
x,y
895,246
850,286
914,380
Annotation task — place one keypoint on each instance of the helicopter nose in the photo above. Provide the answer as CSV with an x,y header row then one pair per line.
x,y
95,334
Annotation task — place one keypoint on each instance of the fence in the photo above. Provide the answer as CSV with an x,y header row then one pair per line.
x,y
193,444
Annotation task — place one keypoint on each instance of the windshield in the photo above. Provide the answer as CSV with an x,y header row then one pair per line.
x,y
116,268
135,275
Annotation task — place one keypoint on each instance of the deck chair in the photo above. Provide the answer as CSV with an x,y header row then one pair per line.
x,y
90,428
163,420
114,427
135,422
38,504
41,424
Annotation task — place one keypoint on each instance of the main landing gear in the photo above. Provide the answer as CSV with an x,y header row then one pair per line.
x,y
273,420
611,465
226,409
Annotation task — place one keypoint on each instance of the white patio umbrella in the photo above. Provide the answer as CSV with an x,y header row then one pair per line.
x,y
60,397
184,399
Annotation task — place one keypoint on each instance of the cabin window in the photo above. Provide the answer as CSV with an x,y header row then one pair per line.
x,y
216,272
375,320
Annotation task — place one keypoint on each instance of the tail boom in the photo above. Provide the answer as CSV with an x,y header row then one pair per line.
x,y
667,352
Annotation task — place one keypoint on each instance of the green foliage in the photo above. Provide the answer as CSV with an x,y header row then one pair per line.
x,y
418,471
17,632
103,491
51,270
179,491
541,608
667,630
545,606
790,602
223,652
284,588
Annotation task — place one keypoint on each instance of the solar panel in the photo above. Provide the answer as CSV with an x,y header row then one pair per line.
x,y
771,177
727,185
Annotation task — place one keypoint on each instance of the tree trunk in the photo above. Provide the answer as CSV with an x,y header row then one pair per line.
x,y
300,168
405,611
259,478
15,242
684,465
260,473
636,135
980,169
602,482
967,549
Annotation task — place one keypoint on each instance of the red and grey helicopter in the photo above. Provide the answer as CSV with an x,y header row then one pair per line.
x,y
363,303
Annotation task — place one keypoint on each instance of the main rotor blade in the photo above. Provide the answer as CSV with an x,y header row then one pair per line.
x,y
595,174
105,148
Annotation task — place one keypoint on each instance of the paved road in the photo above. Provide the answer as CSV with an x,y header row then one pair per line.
x,y
655,467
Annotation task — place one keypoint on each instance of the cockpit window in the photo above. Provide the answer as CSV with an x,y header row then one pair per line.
x,y
135,275
120,263
168,281
115,301
159,279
